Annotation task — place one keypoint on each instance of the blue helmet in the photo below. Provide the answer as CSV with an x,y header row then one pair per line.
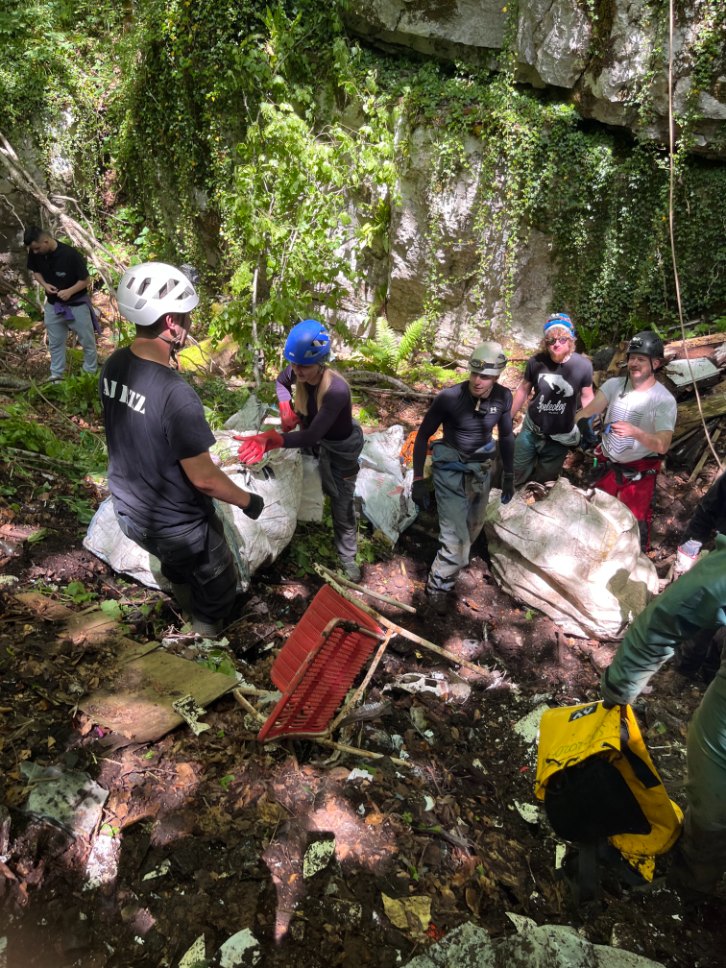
x,y
307,343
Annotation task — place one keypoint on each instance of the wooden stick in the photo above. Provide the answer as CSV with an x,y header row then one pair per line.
x,y
367,754
355,699
704,457
326,573
457,660
245,704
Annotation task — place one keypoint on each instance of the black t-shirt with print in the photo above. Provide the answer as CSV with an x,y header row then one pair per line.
x,y
467,428
62,268
557,388
153,420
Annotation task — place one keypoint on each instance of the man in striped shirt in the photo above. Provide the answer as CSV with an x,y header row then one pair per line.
x,y
640,416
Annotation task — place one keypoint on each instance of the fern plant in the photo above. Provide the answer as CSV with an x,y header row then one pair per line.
x,y
390,352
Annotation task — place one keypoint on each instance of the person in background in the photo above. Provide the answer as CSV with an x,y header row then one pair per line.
x,y
61,272
696,601
316,412
640,416
462,463
561,380
161,475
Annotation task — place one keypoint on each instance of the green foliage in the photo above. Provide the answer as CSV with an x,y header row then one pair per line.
x,y
391,352
76,395
77,593
218,661
312,544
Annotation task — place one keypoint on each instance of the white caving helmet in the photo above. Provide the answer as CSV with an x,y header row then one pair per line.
x,y
150,290
488,359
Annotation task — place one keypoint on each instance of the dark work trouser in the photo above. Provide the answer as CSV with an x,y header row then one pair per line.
x,y
196,555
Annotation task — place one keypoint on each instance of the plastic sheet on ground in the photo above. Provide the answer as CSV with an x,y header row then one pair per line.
x,y
70,799
384,490
534,946
574,556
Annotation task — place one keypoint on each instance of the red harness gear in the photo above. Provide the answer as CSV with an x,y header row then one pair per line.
x,y
632,483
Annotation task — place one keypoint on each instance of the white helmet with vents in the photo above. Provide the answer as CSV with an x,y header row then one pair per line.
x,y
150,290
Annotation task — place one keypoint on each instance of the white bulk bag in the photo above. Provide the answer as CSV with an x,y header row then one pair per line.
x,y
575,556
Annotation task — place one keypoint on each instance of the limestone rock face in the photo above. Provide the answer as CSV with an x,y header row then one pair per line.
x,y
469,30
611,64
438,244
553,39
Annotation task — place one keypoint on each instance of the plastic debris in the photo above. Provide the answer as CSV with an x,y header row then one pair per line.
x,y
190,711
102,863
358,774
527,811
317,857
243,945
449,686
72,800
194,955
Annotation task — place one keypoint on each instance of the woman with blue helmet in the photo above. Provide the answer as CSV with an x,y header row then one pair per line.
x,y
316,410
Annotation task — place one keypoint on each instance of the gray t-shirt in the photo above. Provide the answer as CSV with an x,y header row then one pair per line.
x,y
651,410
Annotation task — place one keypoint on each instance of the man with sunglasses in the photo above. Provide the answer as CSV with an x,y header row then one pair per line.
x,y
640,416
462,463
562,380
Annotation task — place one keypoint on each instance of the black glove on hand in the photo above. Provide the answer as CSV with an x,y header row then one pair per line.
x,y
507,488
254,508
588,438
420,494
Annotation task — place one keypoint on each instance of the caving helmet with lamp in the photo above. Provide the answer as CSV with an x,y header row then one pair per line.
x,y
307,343
646,343
488,359
151,290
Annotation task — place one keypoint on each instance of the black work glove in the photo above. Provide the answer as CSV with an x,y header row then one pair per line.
x,y
420,494
254,508
507,488
588,437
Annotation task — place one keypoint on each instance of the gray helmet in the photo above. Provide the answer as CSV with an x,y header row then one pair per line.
x,y
488,359
150,290
646,343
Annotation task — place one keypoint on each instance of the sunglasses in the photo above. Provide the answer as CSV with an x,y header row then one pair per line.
x,y
557,339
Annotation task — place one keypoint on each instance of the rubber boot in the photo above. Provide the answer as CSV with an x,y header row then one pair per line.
x,y
183,597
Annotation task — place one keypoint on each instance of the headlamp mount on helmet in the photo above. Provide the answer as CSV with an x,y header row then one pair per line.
x,y
488,359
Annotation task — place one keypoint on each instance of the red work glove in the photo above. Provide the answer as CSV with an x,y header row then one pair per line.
x,y
253,449
288,417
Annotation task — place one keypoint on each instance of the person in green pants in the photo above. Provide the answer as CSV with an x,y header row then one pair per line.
x,y
696,601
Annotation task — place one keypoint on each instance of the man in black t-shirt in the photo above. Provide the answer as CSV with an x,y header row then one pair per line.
x,y
161,474
462,463
62,273
561,379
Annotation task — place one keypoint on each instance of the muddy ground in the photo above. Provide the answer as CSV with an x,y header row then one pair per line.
x,y
208,833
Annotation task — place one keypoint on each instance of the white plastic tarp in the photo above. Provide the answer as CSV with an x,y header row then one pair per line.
x,y
383,489
575,556
278,479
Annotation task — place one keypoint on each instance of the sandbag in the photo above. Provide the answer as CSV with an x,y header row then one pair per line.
x,y
575,556
383,489
278,479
